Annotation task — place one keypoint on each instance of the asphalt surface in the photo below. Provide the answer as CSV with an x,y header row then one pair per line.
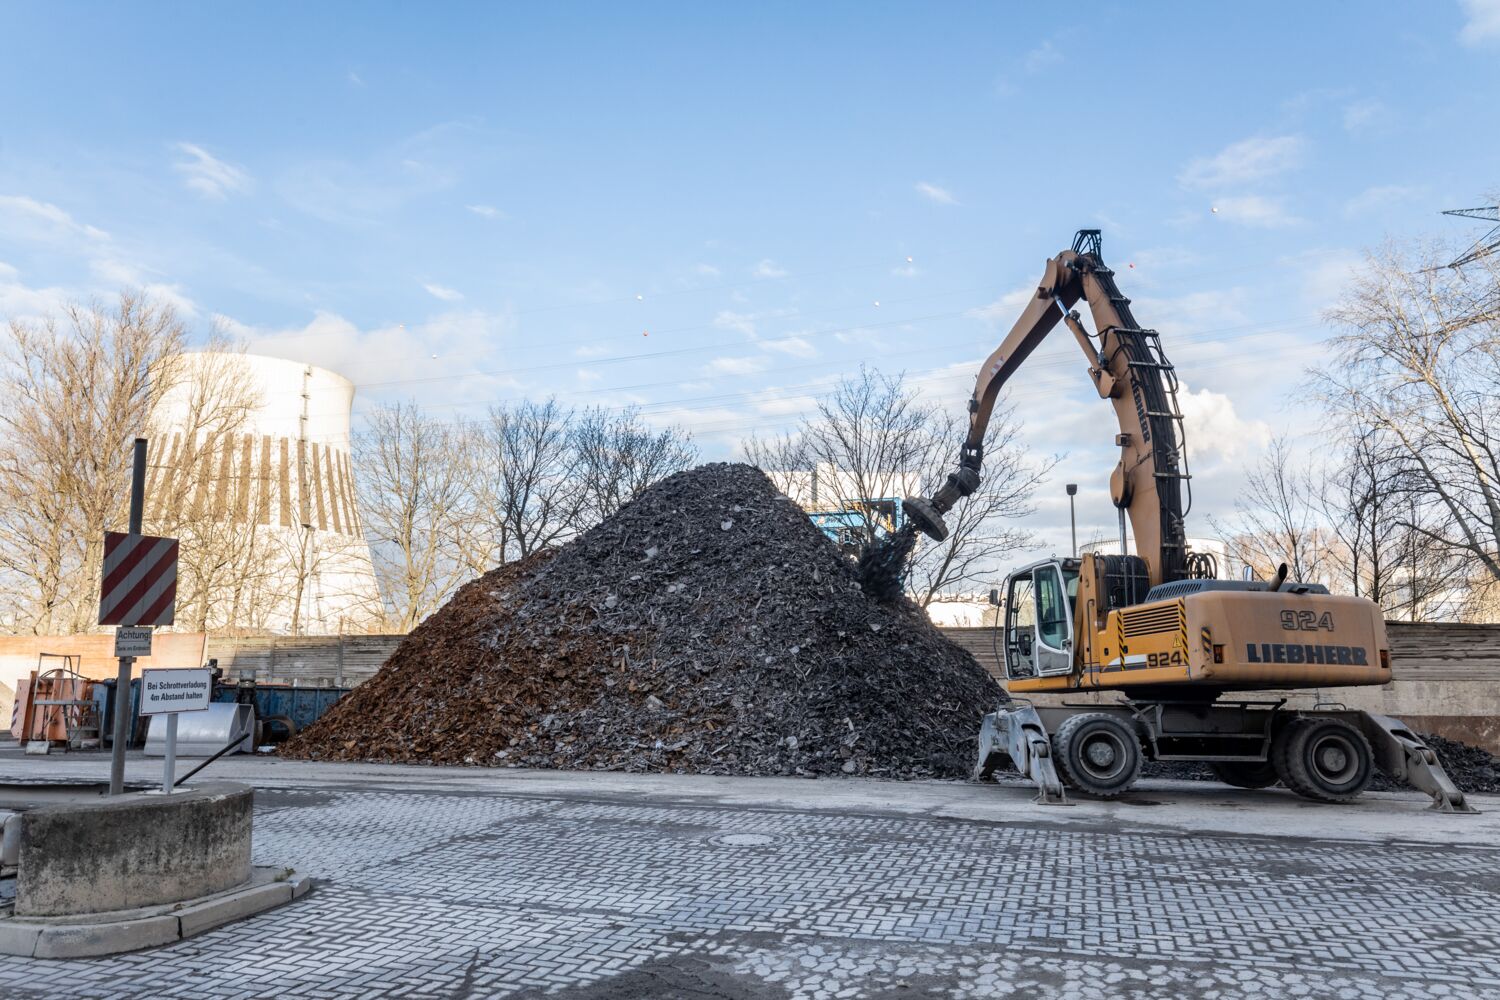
x,y
463,882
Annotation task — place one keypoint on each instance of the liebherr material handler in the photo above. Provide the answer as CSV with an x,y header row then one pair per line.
x,y
1156,626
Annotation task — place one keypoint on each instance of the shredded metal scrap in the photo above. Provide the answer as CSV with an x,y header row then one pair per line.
x,y
707,627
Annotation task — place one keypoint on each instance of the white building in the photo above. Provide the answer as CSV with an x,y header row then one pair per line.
x,y
272,479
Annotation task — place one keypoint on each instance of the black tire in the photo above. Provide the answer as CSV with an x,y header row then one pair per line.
x,y
1245,773
284,721
1097,754
1326,760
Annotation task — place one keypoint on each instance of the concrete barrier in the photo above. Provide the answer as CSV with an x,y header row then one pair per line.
x,y
137,850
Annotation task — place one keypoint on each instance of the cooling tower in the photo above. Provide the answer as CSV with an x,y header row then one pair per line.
x,y
251,455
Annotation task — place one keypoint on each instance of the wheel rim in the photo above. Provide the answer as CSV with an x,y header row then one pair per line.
x,y
1334,759
1103,755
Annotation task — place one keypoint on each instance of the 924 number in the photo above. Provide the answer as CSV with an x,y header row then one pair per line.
x,y
1172,659
1306,621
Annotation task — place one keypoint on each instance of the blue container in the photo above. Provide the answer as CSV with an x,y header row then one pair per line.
x,y
104,701
302,705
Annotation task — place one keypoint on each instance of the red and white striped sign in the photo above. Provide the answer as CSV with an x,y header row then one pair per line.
x,y
140,580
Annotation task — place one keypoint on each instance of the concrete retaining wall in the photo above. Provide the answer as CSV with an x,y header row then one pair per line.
x,y
1445,679
313,661
99,854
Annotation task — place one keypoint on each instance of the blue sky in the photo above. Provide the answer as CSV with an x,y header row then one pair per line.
x,y
697,208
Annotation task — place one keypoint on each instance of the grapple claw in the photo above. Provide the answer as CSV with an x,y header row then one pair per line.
x,y
921,513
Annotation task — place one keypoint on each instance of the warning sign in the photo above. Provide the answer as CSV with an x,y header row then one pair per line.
x,y
164,691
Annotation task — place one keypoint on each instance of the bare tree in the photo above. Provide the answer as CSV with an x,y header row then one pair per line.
x,y
525,480
1368,504
1277,520
618,456
415,493
874,440
76,393
983,528
1419,361
314,567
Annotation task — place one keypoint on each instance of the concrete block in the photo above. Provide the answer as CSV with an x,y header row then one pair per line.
x,y
17,939
87,940
131,851
221,910
300,885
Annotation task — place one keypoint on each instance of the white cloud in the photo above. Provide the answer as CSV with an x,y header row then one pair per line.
x,y
1373,199
1246,161
862,337
1482,21
785,406
172,295
209,176
116,272
1327,276
770,269
443,292
354,78
1256,211
906,271
590,351
486,211
797,347
396,360
43,221
707,270
1006,309
18,301
736,366
119,275
934,193
366,190
1365,116
1039,58
588,377
744,323
1214,428
1183,316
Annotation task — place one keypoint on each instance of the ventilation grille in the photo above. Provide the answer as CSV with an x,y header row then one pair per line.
x,y
1153,621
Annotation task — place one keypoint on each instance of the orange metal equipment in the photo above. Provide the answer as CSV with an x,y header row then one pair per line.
x,y
55,706
1156,625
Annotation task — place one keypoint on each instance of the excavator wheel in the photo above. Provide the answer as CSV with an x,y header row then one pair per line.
x,y
1245,773
1097,754
1326,760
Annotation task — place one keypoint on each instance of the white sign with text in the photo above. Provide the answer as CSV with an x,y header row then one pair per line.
x,y
133,641
168,691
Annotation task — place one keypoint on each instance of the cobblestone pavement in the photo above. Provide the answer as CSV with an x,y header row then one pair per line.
x,y
435,893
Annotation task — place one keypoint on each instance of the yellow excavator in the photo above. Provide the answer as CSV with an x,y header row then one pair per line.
x,y
1156,626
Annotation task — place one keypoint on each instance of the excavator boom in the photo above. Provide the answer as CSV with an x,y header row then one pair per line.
x,y
1128,368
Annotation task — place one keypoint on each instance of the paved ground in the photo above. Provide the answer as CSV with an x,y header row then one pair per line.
x,y
471,884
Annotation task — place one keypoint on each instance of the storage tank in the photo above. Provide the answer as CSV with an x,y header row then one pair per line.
x,y
250,465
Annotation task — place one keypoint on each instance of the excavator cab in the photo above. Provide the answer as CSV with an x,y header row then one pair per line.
x,y
1039,603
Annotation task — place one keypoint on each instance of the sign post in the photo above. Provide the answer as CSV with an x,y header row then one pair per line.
x,y
138,588
170,693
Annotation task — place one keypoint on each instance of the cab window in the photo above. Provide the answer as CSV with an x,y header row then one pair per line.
x,y
1053,609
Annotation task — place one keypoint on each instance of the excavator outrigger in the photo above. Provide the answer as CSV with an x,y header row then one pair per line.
x,y
1156,625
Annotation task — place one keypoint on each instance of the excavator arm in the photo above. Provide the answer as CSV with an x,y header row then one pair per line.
x,y
1128,368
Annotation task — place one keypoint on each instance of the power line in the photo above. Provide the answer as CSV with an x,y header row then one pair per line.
x,y
1022,389
1486,244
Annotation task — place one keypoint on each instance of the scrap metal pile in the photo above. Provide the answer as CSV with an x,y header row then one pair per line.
x,y
708,627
